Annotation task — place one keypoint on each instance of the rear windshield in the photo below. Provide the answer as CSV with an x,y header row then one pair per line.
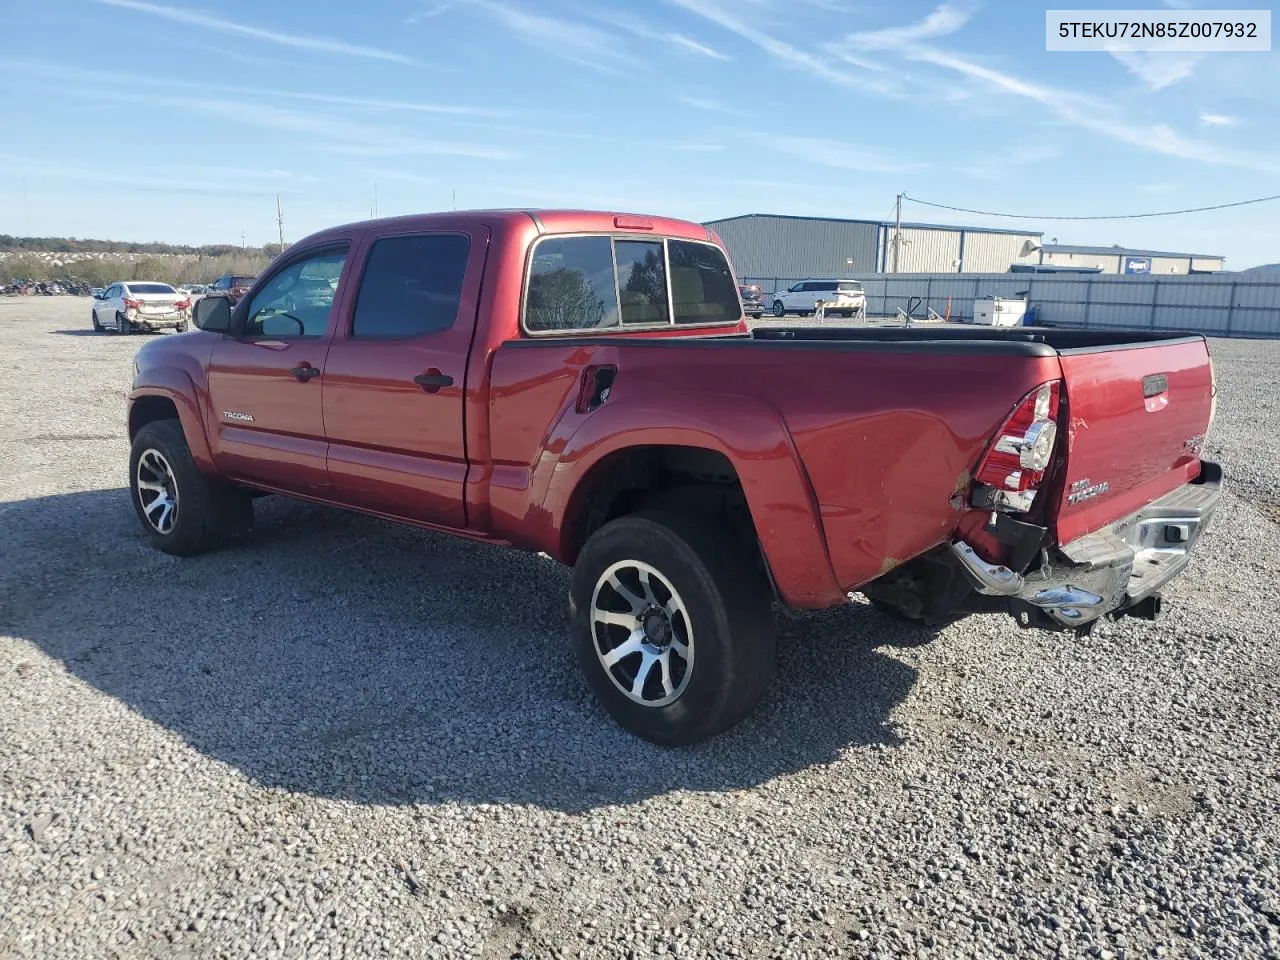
x,y
242,281
850,286
151,288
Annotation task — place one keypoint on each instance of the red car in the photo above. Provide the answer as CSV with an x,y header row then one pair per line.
x,y
584,384
231,286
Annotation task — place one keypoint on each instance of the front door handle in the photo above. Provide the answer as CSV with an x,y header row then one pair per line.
x,y
305,372
433,380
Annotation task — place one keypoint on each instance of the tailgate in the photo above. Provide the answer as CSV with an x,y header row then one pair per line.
x,y
1138,418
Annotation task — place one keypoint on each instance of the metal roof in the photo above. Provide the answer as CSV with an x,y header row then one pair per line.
x,y
880,223
1123,252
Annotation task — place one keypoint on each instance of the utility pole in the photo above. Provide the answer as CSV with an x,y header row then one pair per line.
x,y
455,198
280,222
897,231
375,199
242,241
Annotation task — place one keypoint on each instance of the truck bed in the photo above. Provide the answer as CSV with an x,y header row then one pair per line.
x,y
1060,339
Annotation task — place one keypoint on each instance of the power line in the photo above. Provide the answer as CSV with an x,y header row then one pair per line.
x,y
1116,216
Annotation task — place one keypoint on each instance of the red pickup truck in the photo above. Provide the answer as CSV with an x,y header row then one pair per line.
x,y
585,385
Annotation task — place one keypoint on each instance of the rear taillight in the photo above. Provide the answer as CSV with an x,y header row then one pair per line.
x,y
131,304
1015,464
182,304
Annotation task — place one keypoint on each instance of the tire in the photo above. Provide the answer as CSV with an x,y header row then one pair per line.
x,y
122,323
97,327
722,620
181,327
779,310
205,512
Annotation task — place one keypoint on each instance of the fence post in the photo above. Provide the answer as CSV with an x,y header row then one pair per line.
x,y
1155,297
928,294
1231,307
1088,300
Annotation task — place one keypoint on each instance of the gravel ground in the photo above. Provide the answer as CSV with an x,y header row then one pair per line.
x,y
345,738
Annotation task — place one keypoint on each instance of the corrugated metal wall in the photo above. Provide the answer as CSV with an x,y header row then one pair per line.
x,y
1230,305
995,252
800,248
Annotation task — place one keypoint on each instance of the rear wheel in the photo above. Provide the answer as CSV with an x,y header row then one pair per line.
x,y
778,309
675,637
122,324
181,327
182,511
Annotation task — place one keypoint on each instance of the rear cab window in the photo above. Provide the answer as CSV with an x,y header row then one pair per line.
x,y
593,282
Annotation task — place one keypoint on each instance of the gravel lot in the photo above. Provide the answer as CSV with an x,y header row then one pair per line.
x,y
345,738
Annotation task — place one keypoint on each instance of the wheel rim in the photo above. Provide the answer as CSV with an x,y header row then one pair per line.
x,y
642,633
778,309
157,491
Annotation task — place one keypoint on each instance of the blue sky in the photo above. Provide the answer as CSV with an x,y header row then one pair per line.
x,y
180,121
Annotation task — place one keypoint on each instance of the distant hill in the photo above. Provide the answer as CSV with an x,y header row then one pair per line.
x,y
1267,268
10,244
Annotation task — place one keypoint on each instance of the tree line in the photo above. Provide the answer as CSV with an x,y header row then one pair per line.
x,y
101,273
12,244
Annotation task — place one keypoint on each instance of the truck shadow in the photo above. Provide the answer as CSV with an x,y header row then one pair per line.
x,y
349,658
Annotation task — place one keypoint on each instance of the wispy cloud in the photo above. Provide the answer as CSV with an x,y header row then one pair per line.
x,y
107,80
843,156
817,65
1217,120
426,13
570,40
945,20
196,18
173,182
638,27
1160,69
710,105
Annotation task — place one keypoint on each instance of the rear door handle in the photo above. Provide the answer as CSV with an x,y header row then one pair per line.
x,y
433,380
305,372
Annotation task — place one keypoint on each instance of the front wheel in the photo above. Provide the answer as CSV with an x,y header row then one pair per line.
x,y
182,511
778,309
97,327
672,629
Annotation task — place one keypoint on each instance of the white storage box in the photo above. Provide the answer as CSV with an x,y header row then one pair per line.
x,y
999,311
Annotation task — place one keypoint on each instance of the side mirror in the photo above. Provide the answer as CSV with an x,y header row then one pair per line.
x,y
212,314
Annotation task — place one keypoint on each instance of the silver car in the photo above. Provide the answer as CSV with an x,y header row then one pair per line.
x,y
137,305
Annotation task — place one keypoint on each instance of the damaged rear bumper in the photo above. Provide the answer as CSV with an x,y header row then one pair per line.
x,y
1118,569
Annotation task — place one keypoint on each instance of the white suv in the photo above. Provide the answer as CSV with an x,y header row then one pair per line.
x,y
843,298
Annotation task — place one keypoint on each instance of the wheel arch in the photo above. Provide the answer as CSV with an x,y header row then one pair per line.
x,y
164,399
752,471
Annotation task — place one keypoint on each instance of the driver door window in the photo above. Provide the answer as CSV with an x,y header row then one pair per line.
x,y
297,301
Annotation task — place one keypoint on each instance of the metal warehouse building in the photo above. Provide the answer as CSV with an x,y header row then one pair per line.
x,y
765,245
1119,259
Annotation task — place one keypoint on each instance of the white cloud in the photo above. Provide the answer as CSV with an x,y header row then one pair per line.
x,y
818,65
577,42
209,22
681,40
1217,120
945,19
710,105
843,156
1159,69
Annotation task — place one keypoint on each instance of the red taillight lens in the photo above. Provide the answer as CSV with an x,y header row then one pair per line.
x,y
182,304
131,304
1022,451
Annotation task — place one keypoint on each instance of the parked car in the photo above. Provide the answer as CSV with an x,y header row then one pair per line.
x,y
197,289
752,300
844,298
231,286
585,385
135,305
